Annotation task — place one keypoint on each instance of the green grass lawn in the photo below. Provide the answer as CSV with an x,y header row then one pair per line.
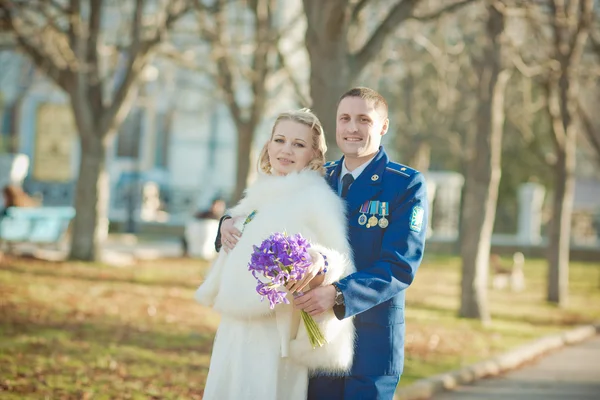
x,y
438,341
71,330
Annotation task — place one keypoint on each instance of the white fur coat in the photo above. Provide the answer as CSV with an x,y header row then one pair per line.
x,y
297,203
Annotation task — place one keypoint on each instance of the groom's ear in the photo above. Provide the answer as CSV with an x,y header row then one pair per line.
x,y
385,126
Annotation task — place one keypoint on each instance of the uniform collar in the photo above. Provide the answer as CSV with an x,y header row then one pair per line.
x,y
357,171
367,186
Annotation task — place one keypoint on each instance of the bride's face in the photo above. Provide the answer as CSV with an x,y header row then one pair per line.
x,y
290,148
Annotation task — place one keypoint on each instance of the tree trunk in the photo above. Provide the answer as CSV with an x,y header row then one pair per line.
x,y
420,157
91,199
571,24
562,102
483,177
245,161
416,147
560,228
331,72
562,95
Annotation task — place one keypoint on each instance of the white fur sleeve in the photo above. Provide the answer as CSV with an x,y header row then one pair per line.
x,y
208,290
243,208
328,225
331,236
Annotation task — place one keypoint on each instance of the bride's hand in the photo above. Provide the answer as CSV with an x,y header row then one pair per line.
x,y
318,263
229,234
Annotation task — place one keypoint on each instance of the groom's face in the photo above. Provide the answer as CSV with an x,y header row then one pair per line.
x,y
359,127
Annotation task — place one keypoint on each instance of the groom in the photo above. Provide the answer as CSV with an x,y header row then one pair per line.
x,y
387,218
386,205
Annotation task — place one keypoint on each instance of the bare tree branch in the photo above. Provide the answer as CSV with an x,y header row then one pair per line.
x,y
303,99
57,6
559,136
183,59
49,17
137,54
263,12
176,9
592,134
442,11
224,70
41,60
136,27
201,12
93,67
287,28
571,9
526,70
74,30
529,142
402,11
581,34
570,32
595,41
358,8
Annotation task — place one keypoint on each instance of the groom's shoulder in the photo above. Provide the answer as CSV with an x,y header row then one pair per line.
x,y
330,166
400,170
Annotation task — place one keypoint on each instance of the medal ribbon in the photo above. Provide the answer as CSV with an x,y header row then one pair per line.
x,y
374,207
383,208
365,207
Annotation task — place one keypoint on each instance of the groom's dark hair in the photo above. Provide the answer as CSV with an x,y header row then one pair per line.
x,y
368,94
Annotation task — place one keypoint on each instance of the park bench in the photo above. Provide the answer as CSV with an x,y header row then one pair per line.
x,y
37,225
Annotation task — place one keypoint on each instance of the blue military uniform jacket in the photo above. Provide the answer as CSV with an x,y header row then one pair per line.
x,y
386,256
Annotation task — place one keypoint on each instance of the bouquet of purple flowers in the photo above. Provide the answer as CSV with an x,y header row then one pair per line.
x,y
278,260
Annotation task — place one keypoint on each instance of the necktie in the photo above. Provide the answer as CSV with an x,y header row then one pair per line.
x,y
346,182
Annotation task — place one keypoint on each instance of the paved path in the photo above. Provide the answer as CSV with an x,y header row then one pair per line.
x,y
571,373
118,250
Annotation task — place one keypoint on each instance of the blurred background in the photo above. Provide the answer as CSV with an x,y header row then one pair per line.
x,y
140,114
180,99
129,123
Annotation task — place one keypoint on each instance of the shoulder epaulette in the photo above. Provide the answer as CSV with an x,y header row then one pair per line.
x,y
330,164
400,169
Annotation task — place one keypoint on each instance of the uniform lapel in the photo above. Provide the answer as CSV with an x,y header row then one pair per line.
x,y
368,185
333,176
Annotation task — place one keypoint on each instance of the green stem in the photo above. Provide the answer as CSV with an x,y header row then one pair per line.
x,y
314,333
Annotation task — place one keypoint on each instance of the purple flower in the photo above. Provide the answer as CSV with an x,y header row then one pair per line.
x,y
272,294
279,259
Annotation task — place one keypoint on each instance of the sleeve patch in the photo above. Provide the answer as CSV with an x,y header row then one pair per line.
x,y
416,219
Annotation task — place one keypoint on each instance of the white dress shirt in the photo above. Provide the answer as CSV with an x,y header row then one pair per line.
x,y
355,174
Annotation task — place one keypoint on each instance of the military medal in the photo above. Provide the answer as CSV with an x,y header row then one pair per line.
x,y
373,219
383,222
363,209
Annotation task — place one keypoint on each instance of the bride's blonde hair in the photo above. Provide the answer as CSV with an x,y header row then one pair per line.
x,y
306,117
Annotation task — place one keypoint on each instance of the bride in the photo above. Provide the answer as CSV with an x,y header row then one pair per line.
x,y
260,353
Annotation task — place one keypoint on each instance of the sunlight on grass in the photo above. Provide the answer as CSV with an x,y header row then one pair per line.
x,y
82,331
75,330
438,341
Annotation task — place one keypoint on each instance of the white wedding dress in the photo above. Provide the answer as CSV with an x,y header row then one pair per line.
x,y
250,365
261,353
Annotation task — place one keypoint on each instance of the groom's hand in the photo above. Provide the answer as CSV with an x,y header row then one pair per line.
x,y
317,301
